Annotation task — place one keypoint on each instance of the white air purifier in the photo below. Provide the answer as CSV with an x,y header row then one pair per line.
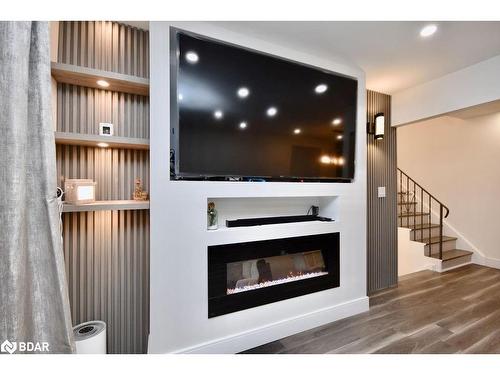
x,y
90,337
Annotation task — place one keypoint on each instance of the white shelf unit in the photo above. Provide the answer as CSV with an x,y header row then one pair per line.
x,y
225,235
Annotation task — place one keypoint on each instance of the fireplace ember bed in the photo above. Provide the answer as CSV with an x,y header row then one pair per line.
x,y
250,274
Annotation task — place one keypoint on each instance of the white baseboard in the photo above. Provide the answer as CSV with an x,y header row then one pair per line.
x,y
275,331
441,269
491,262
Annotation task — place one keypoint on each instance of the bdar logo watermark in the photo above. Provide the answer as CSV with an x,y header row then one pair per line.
x,y
8,347
22,347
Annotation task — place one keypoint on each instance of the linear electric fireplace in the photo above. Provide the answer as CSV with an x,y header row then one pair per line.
x,y
250,274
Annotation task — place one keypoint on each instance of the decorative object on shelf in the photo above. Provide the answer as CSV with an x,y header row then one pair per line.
x,y
139,193
106,129
79,191
212,216
376,128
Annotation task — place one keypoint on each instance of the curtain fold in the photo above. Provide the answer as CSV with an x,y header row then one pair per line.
x,y
34,303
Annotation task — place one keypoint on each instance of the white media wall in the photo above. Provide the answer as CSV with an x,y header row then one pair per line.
x,y
179,238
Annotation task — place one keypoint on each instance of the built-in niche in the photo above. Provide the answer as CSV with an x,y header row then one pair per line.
x,y
233,208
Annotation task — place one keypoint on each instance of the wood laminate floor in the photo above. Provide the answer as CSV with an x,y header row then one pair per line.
x,y
428,312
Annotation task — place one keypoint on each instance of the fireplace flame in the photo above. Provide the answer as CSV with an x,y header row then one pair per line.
x,y
290,278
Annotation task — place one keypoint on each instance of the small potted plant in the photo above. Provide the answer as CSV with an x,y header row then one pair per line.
x,y
211,216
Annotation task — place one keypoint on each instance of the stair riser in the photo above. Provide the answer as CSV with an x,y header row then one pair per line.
x,y
411,220
447,245
406,209
417,234
455,262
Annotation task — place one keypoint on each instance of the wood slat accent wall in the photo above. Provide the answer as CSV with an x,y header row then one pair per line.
x,y
81,109
382,212
107,264
114,170
104,45
106,252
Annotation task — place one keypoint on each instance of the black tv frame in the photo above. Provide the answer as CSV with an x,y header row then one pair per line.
x,y
174,119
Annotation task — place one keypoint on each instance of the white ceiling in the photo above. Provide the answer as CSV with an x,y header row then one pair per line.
x,y
392,54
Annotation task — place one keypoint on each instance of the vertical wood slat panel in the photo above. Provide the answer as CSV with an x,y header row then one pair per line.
x,y
81,109
105,45
95,274
106,252
382,212
114,170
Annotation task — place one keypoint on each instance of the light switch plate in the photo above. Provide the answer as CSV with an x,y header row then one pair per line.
x,y
381,191
106,129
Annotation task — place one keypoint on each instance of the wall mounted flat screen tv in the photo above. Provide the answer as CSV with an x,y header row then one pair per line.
x,y
238,114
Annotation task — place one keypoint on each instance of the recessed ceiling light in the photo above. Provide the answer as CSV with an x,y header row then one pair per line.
x,y
272,111
320,89
243,125
180,97
103,83
218,114
297,131
102,144
243,92
192,57
428,30
336,121
339,137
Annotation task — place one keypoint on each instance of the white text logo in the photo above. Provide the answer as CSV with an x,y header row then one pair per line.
x,y
21,347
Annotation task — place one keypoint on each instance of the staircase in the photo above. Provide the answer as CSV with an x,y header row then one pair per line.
x,y
423,214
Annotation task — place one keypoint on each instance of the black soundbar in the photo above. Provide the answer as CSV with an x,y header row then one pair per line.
x,y
274,220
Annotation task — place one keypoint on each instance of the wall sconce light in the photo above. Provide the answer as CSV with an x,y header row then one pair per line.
x,y
377,128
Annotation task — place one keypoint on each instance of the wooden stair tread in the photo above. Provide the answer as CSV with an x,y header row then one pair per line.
x,y
414,214
453,254
434,240
421,226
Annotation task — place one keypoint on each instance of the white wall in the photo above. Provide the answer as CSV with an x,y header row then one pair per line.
x,y
179,238
411,255
476,84
457,160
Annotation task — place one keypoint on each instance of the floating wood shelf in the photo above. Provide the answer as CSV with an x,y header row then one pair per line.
x,y
106,205
82,76
78,139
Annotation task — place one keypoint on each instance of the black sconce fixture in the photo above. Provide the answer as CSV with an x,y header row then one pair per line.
x,y
377,128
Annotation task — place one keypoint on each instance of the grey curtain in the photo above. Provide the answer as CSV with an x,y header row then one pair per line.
x,y
34,303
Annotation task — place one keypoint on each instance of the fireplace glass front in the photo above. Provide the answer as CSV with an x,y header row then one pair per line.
x,y
264,272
